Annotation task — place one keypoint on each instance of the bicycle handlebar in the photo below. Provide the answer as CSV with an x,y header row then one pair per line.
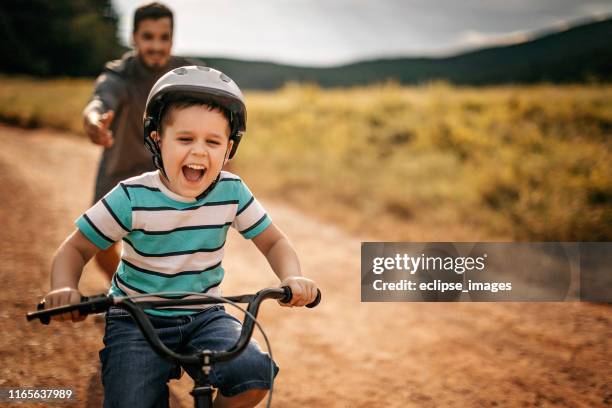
x,y
101,303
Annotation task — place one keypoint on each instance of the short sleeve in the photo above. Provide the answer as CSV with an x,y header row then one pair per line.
x,y
251,218
109,220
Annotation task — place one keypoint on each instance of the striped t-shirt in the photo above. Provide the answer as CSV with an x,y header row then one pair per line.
x,y
171,243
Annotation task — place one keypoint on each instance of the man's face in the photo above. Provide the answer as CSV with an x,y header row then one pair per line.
x,y
194,146
153,42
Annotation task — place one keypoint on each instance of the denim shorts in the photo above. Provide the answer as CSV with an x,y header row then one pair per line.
x,y
134,375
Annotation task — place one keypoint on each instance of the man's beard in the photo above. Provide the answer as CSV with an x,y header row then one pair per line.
x,y
155,65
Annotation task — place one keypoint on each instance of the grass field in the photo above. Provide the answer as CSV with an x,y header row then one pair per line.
x,y
410,163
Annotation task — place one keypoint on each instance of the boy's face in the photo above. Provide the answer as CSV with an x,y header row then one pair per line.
x,y
153,42
194,146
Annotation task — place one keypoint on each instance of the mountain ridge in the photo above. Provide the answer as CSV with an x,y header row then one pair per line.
x,y
581,53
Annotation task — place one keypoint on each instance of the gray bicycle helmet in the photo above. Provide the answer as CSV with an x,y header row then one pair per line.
x,y
195,82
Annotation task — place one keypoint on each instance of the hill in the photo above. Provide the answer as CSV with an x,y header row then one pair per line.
x,y
582,53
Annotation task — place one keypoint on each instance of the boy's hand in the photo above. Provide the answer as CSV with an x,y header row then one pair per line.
x,y
97,128
304,291
61,297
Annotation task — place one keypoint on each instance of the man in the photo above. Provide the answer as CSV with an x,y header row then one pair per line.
x,y
113,117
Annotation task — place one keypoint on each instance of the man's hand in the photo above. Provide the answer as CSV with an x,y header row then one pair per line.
x,y
98,128
304,291
61,297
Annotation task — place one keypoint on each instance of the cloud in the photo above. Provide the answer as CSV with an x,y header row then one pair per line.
x,y
320,32
473,38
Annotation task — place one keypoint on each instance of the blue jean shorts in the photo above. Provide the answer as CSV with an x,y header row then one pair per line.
x,y
133,375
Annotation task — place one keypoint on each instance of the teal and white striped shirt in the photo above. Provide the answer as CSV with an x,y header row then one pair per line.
x,y
171,243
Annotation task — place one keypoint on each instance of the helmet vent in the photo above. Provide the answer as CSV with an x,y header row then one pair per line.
x,y
201,68
225,78
180,71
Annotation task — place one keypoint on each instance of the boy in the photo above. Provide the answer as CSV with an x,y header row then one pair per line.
x,y
173,223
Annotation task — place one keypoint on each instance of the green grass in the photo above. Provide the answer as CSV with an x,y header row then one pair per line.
x,y
526,162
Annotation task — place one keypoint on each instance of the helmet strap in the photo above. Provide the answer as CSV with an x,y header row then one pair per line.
x,y
157,157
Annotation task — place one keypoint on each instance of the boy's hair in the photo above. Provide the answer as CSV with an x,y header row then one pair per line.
x,y
153,11
178,103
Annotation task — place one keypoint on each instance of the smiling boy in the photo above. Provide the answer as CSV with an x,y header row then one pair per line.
x,y
192,160
173,223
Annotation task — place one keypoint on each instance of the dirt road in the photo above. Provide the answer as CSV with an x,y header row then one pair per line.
x,y
342,354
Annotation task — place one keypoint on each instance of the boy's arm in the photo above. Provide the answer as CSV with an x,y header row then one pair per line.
x,y
281,256
66,270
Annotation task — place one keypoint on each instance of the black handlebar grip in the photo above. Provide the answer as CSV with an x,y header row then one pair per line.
x,y
47,319
43,319
316,301
289,296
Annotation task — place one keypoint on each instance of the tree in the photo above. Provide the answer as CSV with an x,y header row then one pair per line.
x,y
60,37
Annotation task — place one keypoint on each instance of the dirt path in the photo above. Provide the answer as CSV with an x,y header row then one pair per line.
x,y
342,354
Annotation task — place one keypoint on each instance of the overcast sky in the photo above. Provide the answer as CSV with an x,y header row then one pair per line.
x,y
330,32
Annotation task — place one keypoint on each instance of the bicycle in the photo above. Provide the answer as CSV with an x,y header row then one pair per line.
x,y
202,391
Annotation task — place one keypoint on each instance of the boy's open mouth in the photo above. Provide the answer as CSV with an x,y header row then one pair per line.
x,y
193,172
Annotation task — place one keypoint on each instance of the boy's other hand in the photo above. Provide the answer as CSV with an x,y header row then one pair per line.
x,y
97,128
61,297
304,291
